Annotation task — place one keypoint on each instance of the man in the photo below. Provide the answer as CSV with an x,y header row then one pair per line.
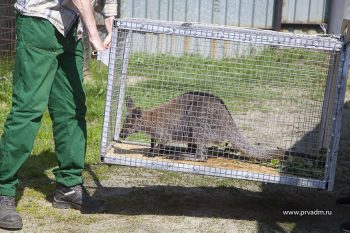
x,y
48,72
345,202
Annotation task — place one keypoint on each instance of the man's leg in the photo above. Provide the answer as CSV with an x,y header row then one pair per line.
x,y
34,71
67,110
35,67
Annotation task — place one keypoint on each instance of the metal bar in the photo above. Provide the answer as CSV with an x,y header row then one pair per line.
x,y
109,89
326,116
327,111
327,119
277,15
343,66
235,34
325,10
339,100
335,16
123,78
219,172
119,8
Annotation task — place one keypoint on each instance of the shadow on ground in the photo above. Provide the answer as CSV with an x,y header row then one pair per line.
x,y
265,206
33,174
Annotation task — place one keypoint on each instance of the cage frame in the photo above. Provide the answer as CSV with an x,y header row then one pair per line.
x,y
325,42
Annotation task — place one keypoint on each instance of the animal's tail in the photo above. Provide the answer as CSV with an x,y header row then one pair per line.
x,y
240,143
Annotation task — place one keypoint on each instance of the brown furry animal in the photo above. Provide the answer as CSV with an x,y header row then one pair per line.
x,y
195,118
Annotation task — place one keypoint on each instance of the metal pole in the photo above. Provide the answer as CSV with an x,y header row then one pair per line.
x,y
119,9
109,93
335,17
339,102
277,15
122,87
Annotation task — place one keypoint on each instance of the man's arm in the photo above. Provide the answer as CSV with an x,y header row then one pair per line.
x,y
108,24
108,9
85,10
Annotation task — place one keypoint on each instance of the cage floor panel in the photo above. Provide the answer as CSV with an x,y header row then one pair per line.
x,y
138,151
136,156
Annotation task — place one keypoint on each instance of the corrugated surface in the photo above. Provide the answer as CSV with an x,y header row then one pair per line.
x,y
245,13
304,11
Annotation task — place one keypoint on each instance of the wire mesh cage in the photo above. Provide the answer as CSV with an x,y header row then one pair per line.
x,y
7,37
224,101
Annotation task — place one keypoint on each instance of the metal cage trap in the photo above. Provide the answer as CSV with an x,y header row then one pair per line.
x,y
225,101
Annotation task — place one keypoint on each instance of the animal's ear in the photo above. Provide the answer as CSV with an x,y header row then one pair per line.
x,y
138,112
129,102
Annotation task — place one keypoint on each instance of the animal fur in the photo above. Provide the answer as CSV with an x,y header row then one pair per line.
x,y
195,118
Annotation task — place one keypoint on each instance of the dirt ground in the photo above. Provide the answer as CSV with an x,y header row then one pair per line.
x,y
143,200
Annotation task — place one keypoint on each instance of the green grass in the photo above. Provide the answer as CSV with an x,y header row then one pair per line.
x,y
240,82
36,185
243,83
6,66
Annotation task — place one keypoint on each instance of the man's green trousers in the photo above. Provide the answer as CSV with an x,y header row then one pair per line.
x,y
48,72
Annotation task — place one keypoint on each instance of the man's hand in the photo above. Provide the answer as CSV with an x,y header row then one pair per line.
x,y
108,25
96,42
86,14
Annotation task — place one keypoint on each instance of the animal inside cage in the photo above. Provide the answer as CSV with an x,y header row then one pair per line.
x,y
224,101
